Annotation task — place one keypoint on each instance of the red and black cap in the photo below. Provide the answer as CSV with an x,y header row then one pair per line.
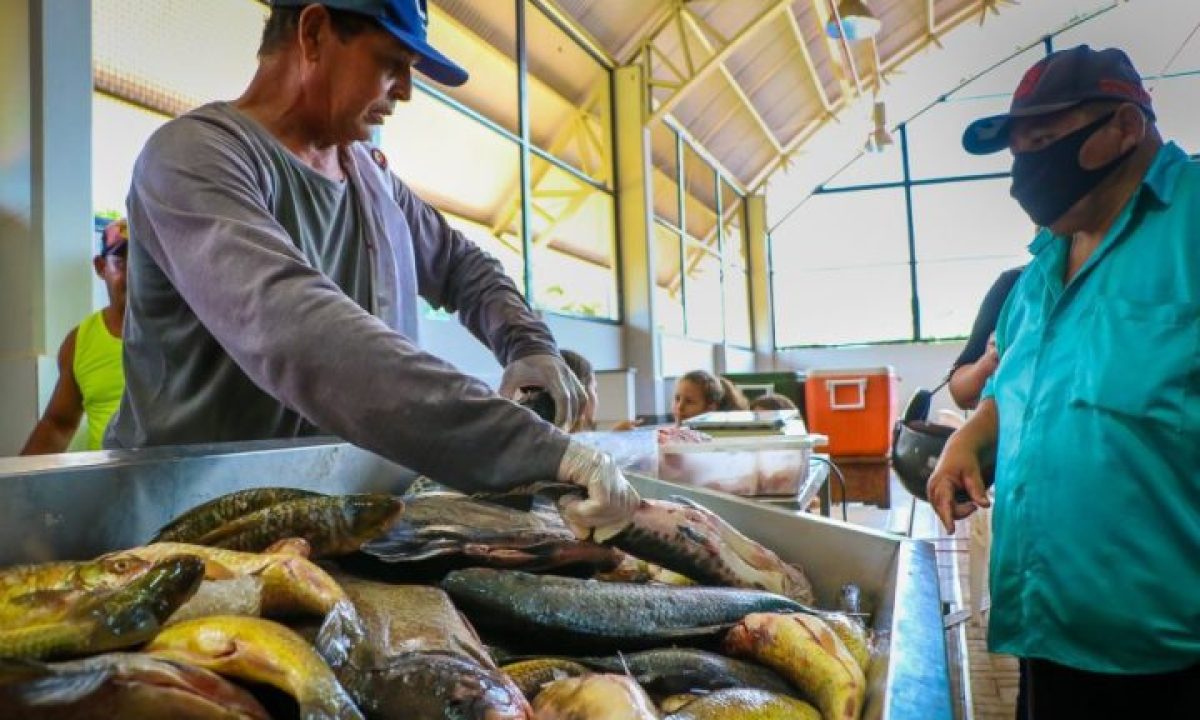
x,y
1059,81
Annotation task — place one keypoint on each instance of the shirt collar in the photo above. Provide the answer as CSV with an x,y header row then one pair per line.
x,y
1159,181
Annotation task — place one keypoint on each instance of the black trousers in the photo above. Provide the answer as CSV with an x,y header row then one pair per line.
x,y
1054,692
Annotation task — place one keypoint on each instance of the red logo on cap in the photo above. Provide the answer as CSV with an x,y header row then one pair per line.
x,y
1029,82
1129,90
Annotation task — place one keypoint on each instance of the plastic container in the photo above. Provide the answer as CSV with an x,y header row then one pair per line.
x,y
761,466
634,451
855,408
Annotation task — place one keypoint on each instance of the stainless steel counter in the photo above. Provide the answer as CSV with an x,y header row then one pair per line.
x,y
79,505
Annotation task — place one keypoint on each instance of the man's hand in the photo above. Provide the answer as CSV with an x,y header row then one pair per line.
x,y
551,374
957,469
610,500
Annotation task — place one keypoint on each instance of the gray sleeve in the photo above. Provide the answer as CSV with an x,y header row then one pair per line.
x,y
455,275
197,203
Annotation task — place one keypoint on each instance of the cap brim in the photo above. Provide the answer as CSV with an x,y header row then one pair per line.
x,y
990,134
432,63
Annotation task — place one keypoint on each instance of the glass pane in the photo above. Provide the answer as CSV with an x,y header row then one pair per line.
x,y
1174,104
737,308
705,314
735,239
574,239
665,170
951,292
700,196
481,37
1149,33
173,55
833,307
935,140
668,295
488,195
504,246
570,104
119,131
838,230
969,220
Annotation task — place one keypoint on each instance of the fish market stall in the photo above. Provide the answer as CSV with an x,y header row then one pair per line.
x,y
81,505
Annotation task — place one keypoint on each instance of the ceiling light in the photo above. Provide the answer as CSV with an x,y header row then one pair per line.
x,y
858,21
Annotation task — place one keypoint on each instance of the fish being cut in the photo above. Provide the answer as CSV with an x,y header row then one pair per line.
x,y
404,652
695,542
202,519
552,612
261,651
594,697
121,686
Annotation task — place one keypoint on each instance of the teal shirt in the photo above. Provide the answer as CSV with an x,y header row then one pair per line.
x,y
1096,529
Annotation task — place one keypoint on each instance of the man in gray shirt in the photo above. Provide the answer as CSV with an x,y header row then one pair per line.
x,y
275,264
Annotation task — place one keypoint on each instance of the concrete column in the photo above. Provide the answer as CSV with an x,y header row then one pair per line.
x,y
635,206
45,198
761,311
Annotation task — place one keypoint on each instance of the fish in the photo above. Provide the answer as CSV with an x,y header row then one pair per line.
x,y
853,634
48,591
447,531
204,518
290,583
531,675
404,652
553,612
673,671
746,704
262,651
674,703
594,697
807,652
695,542
116,686
117,619
332,525
636,570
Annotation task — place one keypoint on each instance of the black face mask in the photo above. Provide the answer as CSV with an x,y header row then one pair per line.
x,y
1049,181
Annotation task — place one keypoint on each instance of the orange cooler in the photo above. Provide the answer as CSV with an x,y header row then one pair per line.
x,y
855,408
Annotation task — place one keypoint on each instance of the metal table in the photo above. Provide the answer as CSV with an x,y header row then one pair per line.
x,y
79,505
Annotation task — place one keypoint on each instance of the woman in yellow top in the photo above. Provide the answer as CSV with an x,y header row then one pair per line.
x,y
90,376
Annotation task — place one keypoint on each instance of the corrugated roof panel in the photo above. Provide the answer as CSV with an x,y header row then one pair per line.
x,y
619,26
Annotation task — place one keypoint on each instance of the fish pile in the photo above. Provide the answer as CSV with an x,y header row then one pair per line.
x,y
281,603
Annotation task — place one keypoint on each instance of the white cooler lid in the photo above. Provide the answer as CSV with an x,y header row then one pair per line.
x,y
764,442
827,372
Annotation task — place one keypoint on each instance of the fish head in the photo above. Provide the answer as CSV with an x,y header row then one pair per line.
x,y
451,687
111,571
144,604
369,516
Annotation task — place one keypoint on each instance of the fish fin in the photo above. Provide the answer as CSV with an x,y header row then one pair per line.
x,y
692,534
62,689
681,500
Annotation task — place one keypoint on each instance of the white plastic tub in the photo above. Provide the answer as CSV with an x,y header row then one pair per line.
x,y
753,466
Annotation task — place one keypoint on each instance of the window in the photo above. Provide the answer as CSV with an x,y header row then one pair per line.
x,y
665,169
119,131
668,290
935,140
703,294
738,326
841,275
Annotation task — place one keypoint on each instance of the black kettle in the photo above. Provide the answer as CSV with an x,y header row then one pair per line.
x,y
917,444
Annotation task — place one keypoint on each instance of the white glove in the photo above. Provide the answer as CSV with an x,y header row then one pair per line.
x,y
610,501
551,374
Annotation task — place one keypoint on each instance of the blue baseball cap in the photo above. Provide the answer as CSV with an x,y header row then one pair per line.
x,y
408,22
1059,81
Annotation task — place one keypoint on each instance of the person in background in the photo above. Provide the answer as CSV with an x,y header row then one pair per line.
x,y
277,264
90,379
700,391
586,374
979,359
772,401
1092,415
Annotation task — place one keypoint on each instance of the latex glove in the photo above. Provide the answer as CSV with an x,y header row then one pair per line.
x,y
611,500
551,374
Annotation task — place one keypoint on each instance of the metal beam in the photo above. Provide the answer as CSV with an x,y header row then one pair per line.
x,y
691,19
718,57
808,62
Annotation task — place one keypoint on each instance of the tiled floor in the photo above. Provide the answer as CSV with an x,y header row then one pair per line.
x,y
988,689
